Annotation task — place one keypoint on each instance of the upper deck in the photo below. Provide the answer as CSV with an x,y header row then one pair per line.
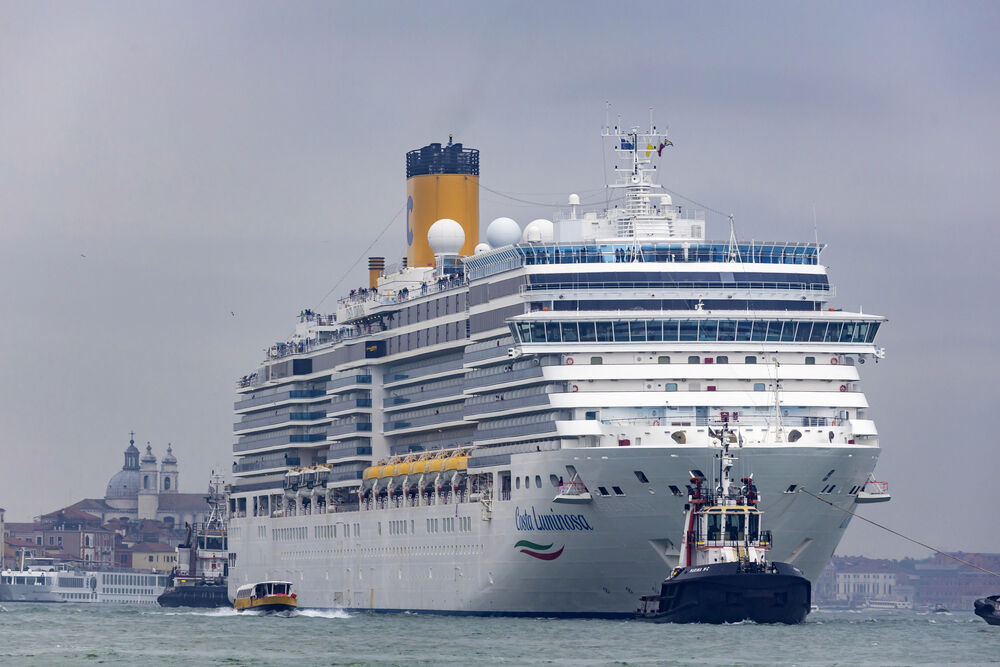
x,y
741,254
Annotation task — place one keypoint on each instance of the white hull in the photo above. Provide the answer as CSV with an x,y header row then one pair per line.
x,y
122,587
617,547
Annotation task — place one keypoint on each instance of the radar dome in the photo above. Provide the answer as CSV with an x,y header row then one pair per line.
x,y
446,237
666,200
542,228
574,199
503,231
481,248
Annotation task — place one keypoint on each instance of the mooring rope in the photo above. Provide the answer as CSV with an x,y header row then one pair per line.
x,y
886,528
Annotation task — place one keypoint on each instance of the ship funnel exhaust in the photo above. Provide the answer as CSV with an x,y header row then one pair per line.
x,y
376,269
441,182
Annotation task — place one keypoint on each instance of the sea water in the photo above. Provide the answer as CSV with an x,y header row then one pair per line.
x,y
79,634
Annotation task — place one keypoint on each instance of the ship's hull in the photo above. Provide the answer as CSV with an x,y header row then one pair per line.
x,y
723,593
531,555
195,596
28,593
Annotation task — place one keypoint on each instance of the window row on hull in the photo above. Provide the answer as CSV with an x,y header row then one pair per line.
x,y
694,330
613,253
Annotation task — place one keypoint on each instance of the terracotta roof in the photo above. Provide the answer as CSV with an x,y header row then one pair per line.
x,y
91,504
11,525
71,512
18,542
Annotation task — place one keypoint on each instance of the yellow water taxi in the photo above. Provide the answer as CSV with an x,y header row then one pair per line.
x,y
266,596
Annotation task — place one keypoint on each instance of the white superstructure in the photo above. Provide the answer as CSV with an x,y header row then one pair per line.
x,y
513,432
45,580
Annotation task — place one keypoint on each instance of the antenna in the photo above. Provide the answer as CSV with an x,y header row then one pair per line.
x,y
815,228
734,247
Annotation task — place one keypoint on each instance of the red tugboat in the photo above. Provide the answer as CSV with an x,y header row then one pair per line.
x,y
723,574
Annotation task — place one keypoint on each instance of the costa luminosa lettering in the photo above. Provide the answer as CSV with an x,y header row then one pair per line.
x,y
531,520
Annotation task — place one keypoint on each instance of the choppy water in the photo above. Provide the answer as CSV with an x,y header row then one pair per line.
x,y
40,634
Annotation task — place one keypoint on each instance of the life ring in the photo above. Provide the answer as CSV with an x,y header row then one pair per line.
x,y
656,422
834,361
569,361
843,387
574,389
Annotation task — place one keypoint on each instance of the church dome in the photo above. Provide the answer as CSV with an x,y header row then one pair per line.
x,y
124,484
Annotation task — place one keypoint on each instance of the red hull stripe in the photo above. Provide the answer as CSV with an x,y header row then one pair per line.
x,y
551,556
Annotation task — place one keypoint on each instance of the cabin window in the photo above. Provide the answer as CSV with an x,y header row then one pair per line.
x,y
694,359
735,525
674,490
618,490
722,360
596,361
714,527
517,482
538,481
750,360
553,480
641,477
670,386
791,488
603,491
810,361
758,386
753,527
663,360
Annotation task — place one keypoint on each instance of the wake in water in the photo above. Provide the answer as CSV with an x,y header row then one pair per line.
x,y
229,611
322,613
221,611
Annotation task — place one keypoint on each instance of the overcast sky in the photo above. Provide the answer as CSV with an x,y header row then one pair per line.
x,y
178,180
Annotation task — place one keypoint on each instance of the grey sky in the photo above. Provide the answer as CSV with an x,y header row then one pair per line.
x,y
238,157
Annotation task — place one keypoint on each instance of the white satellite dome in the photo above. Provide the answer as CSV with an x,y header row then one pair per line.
x,y
446,237
574,199
543,228
532,235
503,231
666,200
481,248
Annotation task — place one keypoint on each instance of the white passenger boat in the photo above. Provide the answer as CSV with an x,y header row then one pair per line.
x,y
47,580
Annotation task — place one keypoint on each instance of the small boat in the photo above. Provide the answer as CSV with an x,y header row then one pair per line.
x,y
989,609
723,574
940,609
267,596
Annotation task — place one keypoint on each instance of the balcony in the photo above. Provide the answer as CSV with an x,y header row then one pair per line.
x,y
334,385
500,376
337,430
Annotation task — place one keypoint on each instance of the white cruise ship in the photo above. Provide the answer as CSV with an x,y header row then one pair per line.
x,y
509,427
46,580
